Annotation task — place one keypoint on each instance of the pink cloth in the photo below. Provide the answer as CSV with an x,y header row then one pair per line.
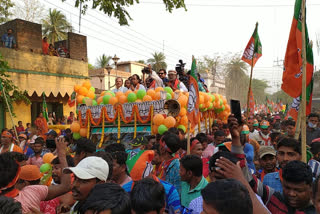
x,y
208,152
127,180
35,161
31,196
49,207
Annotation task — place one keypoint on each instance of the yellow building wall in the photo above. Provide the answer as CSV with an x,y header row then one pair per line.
x,y
67,109
22,112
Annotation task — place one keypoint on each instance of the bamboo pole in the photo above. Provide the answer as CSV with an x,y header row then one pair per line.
x,y
304,86
188,140
298,126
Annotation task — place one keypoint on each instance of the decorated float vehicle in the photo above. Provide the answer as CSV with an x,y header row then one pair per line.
x,y
120,117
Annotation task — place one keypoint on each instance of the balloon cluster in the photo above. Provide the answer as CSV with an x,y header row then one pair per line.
x,y
77,131
85,93
46,169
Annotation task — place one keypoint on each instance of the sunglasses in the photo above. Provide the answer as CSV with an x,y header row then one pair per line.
x,y
160,73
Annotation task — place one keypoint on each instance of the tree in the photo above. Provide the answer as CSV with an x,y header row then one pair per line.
x,y
5,10
141,61
158,61
90,67
29,10
258,90
12,92
55,26
103,61
116,8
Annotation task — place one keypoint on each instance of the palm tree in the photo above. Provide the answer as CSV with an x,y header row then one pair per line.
x,y
55,26
158,61
103,61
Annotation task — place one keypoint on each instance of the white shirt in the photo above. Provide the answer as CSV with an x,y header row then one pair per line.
x,y
140,87
183,88
252,135
122,89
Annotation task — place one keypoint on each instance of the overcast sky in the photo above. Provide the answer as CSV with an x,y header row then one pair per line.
x,y
208,27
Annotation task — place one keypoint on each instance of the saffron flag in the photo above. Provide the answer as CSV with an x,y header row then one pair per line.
x,y
251,102
292,72
193,101
44,108
253,50
72,99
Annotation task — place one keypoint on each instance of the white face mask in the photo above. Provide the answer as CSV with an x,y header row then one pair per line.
x,y
311,125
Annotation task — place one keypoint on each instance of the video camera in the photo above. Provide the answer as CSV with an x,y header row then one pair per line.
x,y
145,70
180,67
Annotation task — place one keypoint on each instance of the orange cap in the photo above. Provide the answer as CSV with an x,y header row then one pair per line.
x,y
30,173
6,134
264,124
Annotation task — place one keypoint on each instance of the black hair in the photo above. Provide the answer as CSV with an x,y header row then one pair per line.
x,y
85,145
107,196
70,161
108,158
290,123
156,148
162,69
28,124
181,131
184,144
202,137
297,172
174,130
147,195
315,147
228,196
39,140
192,163
228,155
214,125
115,147
151,137
8,169
219,133
274,135
290,142
315,187
120,157
172,141
68,131
33,182
313,115
9,206
19,121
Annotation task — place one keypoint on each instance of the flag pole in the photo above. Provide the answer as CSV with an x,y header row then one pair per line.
x,y
188,140
304,82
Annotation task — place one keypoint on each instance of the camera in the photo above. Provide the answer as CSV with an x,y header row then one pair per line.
x,y
180,67
145,70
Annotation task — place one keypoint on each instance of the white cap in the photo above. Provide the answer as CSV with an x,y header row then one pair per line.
x,y
90,167
32,140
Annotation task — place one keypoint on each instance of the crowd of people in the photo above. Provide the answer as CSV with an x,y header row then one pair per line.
x,y
252,166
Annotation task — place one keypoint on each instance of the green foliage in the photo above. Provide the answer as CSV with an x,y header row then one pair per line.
x,y
5,10
258,90
116,8
141,61
210,65
9,87
90,67
281,95
158,61
103,61
55,26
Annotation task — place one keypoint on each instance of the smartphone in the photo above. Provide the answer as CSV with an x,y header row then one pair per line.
x,y
236,110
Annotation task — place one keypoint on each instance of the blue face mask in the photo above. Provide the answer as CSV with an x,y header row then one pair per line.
x,y
311,125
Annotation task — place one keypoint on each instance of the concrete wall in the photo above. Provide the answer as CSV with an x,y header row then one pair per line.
x,y
77,46
22,112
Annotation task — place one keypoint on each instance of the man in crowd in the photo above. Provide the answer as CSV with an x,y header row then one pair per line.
x,y
119,87
89,172
119,171
138,144
267,161
83,148
315,162
20,127
71,118
163,75
192,180
8,39
219,137
38,152
7,144
174,83
253,131
313,131
262,137
290,128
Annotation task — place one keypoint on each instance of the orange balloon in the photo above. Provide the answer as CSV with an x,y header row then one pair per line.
x,y
157,96
75,127
119,93
158,89
206,97
103,93
227,108
201,99
90,94
76,88
183,111
147,98
207,104
86,84
169,122
151,93
113,100
216,96
183,100
100,99
155,129
83,132
138,101
128,92
123,99
48,157
158,119
224,100
79,98
83,91
184,120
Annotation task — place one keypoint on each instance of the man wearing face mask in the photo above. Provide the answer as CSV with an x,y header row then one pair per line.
x,y
313,131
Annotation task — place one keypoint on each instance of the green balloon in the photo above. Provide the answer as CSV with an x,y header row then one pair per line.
x,y
76,136
141,93
182,127
106,99
84,100
201,106
46,167
162,129
223,108
221,102
169,97
211,106
92,89
94,103
132,97
95,96
213,97
168,89
111,92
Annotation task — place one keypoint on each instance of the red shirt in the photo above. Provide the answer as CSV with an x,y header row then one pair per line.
x,y
45,47
20,129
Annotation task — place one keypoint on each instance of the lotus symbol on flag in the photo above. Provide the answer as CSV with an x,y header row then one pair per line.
x,y
192,97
